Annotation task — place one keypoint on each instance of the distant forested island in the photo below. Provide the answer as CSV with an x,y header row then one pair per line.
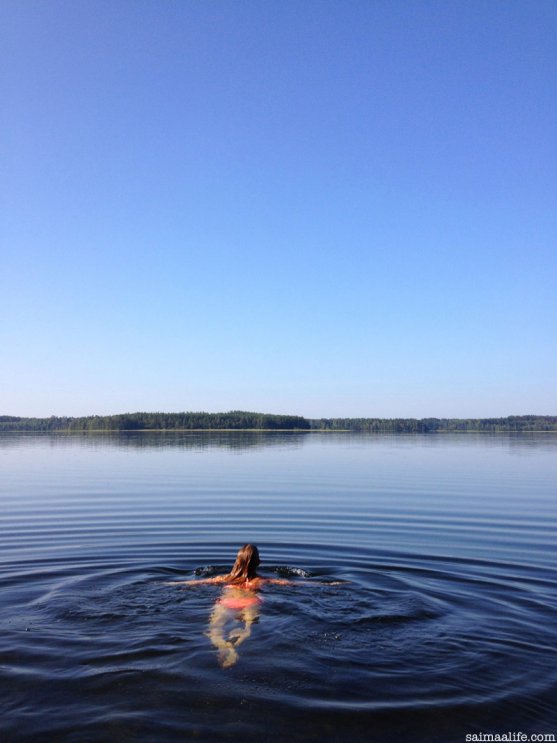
x,y
241,420
235,419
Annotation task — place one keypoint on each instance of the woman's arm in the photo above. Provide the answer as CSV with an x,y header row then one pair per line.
x,y
195,582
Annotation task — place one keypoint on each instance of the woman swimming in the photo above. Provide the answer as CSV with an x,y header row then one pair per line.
x,y
239,603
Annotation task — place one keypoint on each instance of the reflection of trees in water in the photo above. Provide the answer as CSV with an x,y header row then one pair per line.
x,y
235,440
231,440
249,440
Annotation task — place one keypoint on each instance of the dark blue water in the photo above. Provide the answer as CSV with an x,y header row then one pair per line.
x,y
423,602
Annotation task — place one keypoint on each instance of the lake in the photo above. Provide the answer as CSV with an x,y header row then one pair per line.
x,y
421,607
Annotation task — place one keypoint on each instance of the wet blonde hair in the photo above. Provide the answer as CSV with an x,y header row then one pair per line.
x,y
245,567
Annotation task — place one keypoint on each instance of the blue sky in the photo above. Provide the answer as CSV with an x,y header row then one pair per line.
x,y
325,208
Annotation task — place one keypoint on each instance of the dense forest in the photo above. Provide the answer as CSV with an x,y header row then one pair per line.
x,y
241,420
236,419
437,425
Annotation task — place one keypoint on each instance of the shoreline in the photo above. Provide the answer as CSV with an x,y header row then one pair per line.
x,y
274,430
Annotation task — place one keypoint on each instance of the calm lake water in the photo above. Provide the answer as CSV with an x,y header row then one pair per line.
x,y
423,603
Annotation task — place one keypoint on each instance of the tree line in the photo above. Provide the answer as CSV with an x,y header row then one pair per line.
x,y
236,419
518,423
241,420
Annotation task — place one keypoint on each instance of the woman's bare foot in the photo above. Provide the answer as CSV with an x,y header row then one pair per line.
x,y
227,655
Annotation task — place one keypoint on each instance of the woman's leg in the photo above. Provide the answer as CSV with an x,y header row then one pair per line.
x,y
249,615
227,654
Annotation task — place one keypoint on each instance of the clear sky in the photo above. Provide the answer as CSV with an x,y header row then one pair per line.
x,y
319,207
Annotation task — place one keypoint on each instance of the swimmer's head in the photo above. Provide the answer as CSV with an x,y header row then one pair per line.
x,y
247,561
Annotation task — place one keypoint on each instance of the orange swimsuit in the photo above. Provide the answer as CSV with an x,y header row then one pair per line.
x,y
241,598
239,602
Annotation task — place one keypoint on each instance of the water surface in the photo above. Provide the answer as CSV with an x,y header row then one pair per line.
x,y
422,606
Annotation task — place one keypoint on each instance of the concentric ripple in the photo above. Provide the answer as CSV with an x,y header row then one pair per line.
x,y
421,603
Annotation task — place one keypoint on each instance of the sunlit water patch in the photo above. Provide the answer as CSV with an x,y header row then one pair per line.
x,y
422,602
